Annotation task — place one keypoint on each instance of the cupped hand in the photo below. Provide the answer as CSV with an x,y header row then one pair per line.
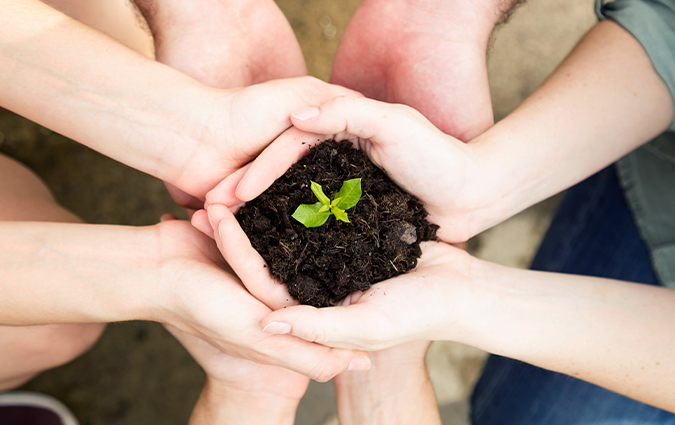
x,y
221,130
423,304
242,376
441,171
430,55
224,44
201,299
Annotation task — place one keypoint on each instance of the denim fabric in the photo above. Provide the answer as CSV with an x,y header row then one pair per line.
x,y
592,233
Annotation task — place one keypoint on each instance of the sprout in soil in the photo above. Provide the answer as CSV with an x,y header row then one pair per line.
x,y
314,215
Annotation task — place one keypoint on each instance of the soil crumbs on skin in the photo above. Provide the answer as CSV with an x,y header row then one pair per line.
x,y
322,265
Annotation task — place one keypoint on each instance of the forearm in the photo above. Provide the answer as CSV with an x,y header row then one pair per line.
x,y
80,83
74,273
386,394
615,334
604,101
220,405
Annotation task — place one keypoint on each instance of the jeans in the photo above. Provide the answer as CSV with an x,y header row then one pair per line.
x,y
592,233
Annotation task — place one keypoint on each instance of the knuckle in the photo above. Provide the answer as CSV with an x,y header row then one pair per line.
x,y
325,371
316,335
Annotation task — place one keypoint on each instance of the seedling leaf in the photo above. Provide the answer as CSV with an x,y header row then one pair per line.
x,y
310,216
350,192
318,192
340,215
314,215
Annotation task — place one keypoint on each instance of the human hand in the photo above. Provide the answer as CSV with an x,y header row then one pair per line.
x,y
222,44
441,171
430,55
206,302
423,304
236,388
220,131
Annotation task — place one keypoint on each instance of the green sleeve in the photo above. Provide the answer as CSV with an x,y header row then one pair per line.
x,y
652,23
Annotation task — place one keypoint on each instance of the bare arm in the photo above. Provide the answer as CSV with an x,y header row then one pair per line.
x,y
74,80
80,83
605,100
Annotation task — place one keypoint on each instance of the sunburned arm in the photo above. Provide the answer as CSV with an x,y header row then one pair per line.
x,y
614,334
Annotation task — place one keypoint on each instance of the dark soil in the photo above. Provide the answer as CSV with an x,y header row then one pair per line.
x,y
322,265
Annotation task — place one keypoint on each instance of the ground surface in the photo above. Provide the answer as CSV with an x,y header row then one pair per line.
x,y
137,373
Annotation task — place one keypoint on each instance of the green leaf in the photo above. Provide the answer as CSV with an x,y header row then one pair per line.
x,y
340,215
350,192
335,201
310,216
318,191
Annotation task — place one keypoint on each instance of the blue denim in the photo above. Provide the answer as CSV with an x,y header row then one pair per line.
x,y
592,233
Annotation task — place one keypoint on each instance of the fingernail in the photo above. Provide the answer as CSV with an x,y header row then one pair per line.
x,y
307,114
278,328
359,364
234,209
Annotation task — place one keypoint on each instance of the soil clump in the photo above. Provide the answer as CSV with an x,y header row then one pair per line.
x,y
322,265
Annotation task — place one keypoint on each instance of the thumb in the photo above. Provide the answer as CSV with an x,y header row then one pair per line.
x,y
365,119
351,327
245,261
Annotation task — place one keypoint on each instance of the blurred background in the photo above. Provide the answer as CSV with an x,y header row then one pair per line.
x,y
137,373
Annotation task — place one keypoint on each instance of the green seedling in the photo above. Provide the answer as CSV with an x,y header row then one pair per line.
x,y
314,215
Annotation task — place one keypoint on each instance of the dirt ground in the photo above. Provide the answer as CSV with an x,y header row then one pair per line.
x,y
137,373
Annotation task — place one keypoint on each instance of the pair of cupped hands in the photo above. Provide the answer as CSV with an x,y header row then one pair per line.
x,y
247,331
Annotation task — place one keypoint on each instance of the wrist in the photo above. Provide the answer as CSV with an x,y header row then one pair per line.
x,y
226,404
386,394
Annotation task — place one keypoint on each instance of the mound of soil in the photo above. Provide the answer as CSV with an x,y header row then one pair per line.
x,y
322,265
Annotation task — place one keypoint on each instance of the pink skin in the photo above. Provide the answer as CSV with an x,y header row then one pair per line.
x,y
428,55
373,321
227,44
243,386
223,44
397,139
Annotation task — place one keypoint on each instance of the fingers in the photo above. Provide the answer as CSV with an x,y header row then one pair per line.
x,y
274,161
352,327
225,192
183,199
200,220
245,260
315,361
364,118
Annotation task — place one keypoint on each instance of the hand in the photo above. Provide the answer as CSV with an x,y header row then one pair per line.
x,y
212,305
429,55
396,390
236,388
223,45
220,131
422,304
439,169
